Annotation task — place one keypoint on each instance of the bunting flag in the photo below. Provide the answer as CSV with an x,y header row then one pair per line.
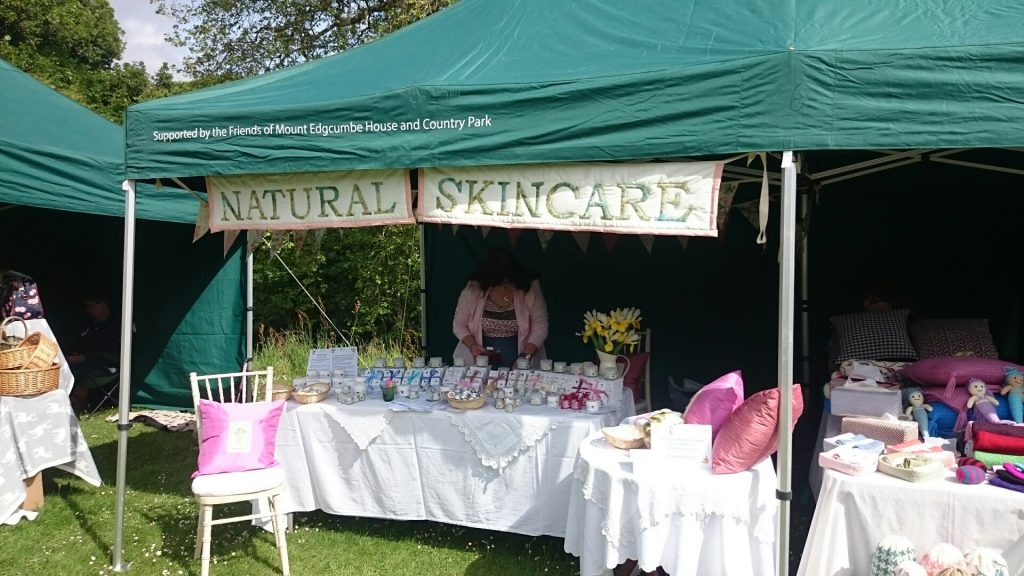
x,y
202,221
252,239
751,211
276,240
582,240
609,241
513,236
484,230
318,237
299,236
545,236
762,219
229,240
455,229
648,241
725,195
683,241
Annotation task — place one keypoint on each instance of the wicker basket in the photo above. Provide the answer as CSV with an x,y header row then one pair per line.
x,y
8,342
466,404
624,437
44,354
280,393
21,354
309,397
29,382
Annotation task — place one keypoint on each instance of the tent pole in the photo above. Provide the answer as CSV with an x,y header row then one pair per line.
x,y
787,249
423,293
124,387
248,311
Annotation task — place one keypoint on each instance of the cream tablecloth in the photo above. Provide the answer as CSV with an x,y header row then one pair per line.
x,y
690,523
855,512
416,460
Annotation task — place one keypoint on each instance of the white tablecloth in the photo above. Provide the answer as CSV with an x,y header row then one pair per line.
x,y
855,512
691,523
37,433
369,460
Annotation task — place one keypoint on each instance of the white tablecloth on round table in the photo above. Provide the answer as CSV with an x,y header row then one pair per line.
x,y
855,512
690,523
369,460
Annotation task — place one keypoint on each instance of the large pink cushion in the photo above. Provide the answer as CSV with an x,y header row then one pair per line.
x,y
237,437
957,370
750,434
713,403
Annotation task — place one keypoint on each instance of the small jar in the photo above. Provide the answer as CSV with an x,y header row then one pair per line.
x,y
459,362
414,393
403,390
419,362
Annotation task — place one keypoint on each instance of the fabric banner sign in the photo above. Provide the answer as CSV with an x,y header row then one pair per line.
x,y
309,200
678,198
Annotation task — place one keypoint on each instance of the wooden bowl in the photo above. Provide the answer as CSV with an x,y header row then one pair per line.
x,y
466,404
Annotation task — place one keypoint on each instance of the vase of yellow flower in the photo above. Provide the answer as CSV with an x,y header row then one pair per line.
x,y
612,334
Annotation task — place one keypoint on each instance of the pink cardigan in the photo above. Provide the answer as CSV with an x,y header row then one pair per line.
x,y
531,315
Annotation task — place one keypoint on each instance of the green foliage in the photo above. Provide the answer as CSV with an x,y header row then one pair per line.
x,y
365,279
74,533
248,37
288,350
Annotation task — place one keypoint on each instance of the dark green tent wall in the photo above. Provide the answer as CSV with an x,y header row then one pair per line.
x,y
61,168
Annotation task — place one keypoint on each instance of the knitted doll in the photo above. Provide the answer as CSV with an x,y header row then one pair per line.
x,y
984,404
917,408
1013,389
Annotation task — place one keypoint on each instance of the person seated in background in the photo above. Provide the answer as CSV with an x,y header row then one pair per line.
x,y
96,355
501,308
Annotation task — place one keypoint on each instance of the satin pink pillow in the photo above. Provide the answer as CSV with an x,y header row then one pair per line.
x,y
751,432
713,403
238,436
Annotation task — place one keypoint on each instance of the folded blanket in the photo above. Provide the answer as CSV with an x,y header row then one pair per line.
x,y
995,460
1002,428
997,481
998,443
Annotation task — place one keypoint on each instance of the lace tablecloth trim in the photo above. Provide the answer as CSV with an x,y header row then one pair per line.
x,y
499,441
362,427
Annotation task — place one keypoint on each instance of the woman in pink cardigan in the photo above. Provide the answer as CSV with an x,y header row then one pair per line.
x,y
501,308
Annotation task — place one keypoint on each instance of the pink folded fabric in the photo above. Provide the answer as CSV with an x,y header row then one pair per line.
x,y
998,443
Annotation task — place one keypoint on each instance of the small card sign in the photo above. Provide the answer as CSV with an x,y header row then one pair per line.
x,y
682,445
331,360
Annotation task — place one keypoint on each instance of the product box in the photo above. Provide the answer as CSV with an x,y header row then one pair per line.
x,y
849,460
889,431
855,441
850,400
931,448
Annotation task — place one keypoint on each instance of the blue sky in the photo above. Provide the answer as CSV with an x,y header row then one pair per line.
x,y
144,34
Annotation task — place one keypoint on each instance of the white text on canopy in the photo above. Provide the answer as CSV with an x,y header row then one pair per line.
x,y
308,200
670,198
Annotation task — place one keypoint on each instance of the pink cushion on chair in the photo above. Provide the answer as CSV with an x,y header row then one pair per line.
x,y
715,402
635,372
750,434
237,436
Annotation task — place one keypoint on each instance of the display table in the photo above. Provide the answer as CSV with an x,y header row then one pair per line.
x,y
690,523
417,460
855,512
37,433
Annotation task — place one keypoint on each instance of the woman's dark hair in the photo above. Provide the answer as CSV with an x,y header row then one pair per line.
x,y
500,265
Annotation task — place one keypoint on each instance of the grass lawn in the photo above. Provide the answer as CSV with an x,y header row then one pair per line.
x,y
74,533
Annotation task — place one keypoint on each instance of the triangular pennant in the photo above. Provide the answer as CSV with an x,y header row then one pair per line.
x,y
725,196
683,241
751,211
252,239
159,185
545,237
648,241
202,221
299,236
455,229
582,240
609,241
318,237
484,230
513,236
276,239
229,240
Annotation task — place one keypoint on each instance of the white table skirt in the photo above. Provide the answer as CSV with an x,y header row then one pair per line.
x,y
421,466
855,512
693,523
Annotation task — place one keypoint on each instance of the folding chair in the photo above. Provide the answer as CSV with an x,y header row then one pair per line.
x,y
213,489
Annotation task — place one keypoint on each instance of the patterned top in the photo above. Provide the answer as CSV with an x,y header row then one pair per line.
x,y
499,321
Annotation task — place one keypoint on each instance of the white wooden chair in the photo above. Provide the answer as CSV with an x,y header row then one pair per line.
x,y
213,489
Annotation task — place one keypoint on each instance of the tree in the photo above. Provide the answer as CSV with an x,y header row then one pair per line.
x,y
244,38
